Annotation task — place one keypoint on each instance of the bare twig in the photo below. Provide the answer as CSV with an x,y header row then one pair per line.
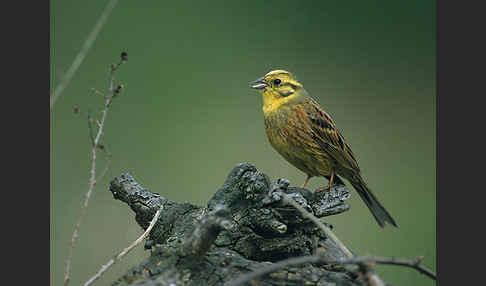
x,y
319,224
82,53
107,164
412,263
90,129
361,261
294,261
95,144
126,250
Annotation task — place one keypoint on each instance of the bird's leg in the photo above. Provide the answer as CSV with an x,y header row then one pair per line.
x,y
328,187
306,181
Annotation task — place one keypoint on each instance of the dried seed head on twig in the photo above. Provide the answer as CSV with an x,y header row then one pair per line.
x,y
118,88
124,56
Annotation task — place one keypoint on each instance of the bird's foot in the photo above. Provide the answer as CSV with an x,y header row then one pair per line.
x,y
305,182
326,188
329,185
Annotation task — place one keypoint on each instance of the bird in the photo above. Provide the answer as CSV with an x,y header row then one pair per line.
x,y
301,131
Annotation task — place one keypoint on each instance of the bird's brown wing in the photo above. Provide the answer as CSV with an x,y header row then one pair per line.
x,y
327,136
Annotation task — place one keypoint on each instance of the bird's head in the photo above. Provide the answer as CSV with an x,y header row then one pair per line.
x,y
277,87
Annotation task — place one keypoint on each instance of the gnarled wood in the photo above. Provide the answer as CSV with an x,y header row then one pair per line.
x,y
246,225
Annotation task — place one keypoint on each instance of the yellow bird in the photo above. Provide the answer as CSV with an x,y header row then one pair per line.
x,y
306,136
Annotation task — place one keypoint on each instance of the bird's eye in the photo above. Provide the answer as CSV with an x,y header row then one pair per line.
x,y
277,81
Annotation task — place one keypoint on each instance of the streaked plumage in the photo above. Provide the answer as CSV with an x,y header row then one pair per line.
x,y
306,136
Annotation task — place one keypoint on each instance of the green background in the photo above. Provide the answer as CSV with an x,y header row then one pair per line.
x,y
187,116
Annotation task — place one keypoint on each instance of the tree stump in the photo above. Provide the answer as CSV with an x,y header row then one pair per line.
x,y
245,226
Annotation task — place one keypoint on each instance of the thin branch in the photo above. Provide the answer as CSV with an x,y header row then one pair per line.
x,y
95,143
274,267
361,261
412,263
319,224
82,53
118,257
90,130
92,183
107,164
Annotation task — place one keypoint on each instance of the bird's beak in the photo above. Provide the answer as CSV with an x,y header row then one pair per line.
x,y
259,83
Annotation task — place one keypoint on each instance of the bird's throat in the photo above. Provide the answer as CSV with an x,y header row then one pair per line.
x,y
273,102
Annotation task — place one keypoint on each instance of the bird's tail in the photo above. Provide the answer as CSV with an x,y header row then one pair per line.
x,y
377,209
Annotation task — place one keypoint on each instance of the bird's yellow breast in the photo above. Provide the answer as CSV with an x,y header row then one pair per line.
x,y
287,137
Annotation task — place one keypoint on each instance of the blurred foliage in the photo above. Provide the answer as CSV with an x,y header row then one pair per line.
x,y
187,116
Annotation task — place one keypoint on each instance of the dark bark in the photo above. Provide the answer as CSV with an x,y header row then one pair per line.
x,y
245,226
